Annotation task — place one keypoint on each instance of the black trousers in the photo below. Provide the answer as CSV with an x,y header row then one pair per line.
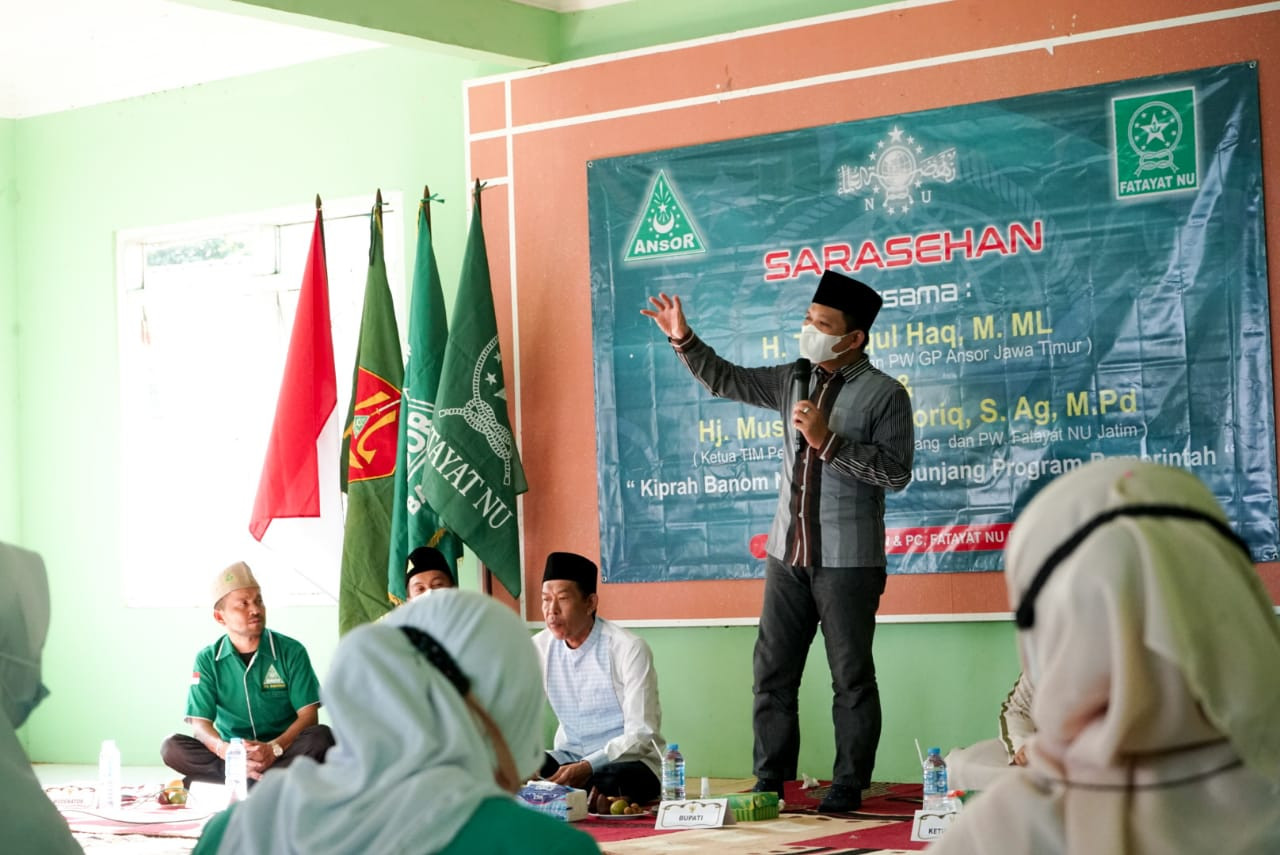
x,y
188,756
629,778
797,600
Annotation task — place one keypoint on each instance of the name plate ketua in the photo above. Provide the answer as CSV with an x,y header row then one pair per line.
x,y
929,824
694,813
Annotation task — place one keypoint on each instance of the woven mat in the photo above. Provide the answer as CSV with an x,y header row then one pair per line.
x,y
139,815
789,834
132,844
882,824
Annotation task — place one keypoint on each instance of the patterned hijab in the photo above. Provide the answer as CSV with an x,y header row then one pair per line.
x,y
413,759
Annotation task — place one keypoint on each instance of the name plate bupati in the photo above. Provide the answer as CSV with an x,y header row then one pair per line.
x,y
694,813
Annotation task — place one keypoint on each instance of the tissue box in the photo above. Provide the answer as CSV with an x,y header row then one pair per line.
x,y
748,807
556,800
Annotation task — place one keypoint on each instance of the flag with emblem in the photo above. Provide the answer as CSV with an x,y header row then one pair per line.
x,y
474,474
368,458
413,522
297,512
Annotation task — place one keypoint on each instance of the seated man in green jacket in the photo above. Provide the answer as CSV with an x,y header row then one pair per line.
x,y
439,710
251,683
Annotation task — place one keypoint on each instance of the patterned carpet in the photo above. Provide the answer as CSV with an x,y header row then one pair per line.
x,y
883,825
141,825
132,844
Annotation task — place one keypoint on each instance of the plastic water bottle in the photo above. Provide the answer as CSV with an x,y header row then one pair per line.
x,y
673,774
935,780
109,776
237,762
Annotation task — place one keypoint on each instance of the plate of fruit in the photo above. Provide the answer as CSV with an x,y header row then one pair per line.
x,y
617,808
173,794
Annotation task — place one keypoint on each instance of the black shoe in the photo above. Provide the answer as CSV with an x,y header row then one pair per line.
x,y
768,785
841,798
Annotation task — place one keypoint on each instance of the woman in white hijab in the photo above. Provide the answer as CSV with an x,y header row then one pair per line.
x,y
437,713
28,820
1155,652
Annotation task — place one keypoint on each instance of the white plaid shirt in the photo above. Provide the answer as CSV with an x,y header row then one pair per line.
x,y
605,695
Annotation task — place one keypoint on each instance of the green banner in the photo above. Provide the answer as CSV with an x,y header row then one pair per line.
x,y
1065,275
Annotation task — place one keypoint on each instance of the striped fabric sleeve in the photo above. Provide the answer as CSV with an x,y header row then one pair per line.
x,y
885,460
760,387
1016,725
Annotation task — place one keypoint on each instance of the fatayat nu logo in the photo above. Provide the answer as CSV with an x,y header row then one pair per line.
x,y
897,173
1155,143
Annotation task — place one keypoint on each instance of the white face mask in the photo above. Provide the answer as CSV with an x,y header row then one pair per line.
x,y
817,346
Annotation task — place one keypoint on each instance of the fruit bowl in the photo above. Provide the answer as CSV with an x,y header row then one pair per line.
x,y
617,807
173,794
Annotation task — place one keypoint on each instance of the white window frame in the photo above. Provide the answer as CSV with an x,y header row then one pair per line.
x,y
209,528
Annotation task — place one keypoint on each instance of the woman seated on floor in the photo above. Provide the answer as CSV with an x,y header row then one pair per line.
x,y
1153,647
437,715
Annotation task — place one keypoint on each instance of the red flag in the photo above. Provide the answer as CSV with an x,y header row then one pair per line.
x,y
290,486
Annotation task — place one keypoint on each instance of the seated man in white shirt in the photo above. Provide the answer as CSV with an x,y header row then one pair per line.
x,y
600,680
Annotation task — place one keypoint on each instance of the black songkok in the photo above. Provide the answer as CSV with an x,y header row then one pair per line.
x,y
856,299
571,566
426,558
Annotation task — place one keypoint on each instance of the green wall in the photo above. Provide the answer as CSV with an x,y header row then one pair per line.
x,y
341,127
389,118
508,29
8,335
645,23
941,683
496,29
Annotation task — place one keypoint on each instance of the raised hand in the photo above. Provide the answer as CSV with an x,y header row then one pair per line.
x,y
668,314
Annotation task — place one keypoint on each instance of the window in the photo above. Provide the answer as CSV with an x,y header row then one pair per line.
x,y
206,310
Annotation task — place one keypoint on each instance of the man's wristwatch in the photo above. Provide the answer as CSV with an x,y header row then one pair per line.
x,y
275,748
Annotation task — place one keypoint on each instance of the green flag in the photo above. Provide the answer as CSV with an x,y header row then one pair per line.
x,y
368,459
413,522
474,474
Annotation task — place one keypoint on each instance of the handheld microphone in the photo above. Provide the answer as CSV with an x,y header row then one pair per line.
x,y
800,388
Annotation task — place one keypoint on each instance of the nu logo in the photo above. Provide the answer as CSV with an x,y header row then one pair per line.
x,y
898,171
481,411
664,228
1155,143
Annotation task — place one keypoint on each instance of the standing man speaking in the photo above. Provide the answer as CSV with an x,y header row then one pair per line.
x,y
852,440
